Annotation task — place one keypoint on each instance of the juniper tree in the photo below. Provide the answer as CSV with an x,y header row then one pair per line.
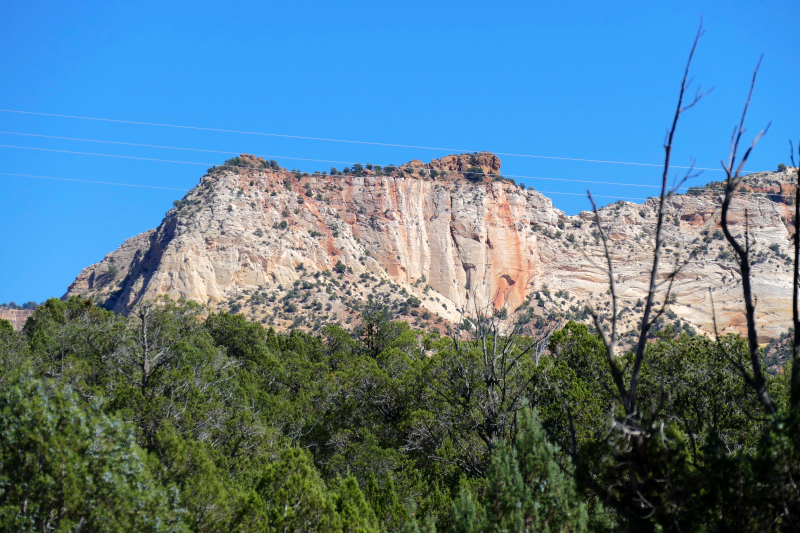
x,y
527,488
66,468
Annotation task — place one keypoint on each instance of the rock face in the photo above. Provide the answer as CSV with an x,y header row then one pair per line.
x,y
288,248
16,317
486,161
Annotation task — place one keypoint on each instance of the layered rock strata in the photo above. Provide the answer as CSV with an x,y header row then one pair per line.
x,y
16,317
246,238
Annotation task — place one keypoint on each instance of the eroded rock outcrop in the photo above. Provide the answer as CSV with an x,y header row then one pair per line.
x,y
283,247
486,161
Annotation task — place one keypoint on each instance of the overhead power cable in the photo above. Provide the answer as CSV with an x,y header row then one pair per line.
x,y
273,157
220,130
171,148
106,155
250,168
93,182
517,176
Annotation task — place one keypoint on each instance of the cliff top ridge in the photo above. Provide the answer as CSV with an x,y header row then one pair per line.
x,y
473,163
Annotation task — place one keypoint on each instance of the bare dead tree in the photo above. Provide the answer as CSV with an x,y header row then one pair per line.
x,y
488,321
147,348
155,356
481,386
634,429
639,431
733,171
628,393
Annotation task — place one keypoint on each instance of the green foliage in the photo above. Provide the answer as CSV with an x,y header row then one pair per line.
x,y
412,525
209,499
577,377
706,393
234,427
67,340
249,162
355,513
474,174
14,353
13,305
527,489
291,496
64,467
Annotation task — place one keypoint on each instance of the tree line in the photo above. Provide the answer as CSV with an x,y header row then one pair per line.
x,y
171,419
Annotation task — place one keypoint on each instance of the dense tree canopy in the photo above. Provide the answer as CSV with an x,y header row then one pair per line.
x,y
177,420
69,467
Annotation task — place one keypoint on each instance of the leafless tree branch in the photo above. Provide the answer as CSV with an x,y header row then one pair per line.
x,y
733,173
794,394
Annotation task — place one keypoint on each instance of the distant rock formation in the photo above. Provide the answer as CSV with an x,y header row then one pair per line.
x,y
296,249
17,317
486,161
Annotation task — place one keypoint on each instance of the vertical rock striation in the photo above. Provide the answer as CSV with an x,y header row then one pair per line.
x,y
443,233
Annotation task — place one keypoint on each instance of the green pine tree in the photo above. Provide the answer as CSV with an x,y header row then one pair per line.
x,y
356,514
66,468
291,496
390,513
526,489
411,524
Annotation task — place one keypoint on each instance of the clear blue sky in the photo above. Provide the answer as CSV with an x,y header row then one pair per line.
x,y
570,79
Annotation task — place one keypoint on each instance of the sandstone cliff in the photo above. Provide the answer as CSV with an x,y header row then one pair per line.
x,y
16,317
290,248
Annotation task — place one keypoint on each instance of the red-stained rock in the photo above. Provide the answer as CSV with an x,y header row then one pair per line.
x,y
451,243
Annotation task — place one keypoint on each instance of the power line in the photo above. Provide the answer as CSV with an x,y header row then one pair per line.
x,y
300,159
170,147
93,182
104,155
279,157
220,130
584,194
329,161
265,156
177,189
295,158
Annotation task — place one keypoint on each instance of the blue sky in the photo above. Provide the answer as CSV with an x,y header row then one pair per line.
x,y
568,79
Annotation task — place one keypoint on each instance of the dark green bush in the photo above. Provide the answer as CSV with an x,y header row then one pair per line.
x,y
474,174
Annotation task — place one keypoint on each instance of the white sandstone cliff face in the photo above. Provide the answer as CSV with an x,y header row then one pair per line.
x,y
443,241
